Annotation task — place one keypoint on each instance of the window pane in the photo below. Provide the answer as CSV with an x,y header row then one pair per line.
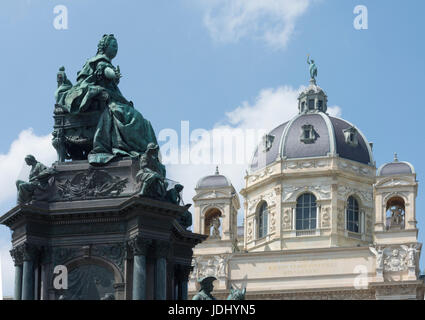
x,y
306,212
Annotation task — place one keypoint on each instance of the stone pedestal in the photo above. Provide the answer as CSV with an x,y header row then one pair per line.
x,y
106,236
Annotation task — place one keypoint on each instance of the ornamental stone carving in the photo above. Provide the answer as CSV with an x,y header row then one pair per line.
x,y
395,259
326,217
210,266
293,165
139,246
270,197
340,219
91,184
345,191
272,222
287,219
250,232
264,174
17,254
290,193
353,168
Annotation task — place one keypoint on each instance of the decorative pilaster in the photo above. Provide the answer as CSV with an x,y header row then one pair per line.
x,y
30,255
18,259
161,252
139,247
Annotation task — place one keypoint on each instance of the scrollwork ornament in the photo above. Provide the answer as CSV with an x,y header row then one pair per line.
x,y
139,246
17,254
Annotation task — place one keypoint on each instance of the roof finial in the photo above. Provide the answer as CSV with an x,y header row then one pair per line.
x,y
216,170
395,157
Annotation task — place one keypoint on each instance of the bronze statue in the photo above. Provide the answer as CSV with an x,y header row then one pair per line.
x,y
313,68
101,124
38,180
206,288
152,174
236,294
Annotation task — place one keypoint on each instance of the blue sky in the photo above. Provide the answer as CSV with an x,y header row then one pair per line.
x,y
180,60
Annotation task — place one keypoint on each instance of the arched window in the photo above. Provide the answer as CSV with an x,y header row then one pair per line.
x,y
262,220
306,212
353,215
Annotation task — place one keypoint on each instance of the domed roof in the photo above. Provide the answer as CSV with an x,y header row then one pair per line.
x,y
213,181
396,168
312,133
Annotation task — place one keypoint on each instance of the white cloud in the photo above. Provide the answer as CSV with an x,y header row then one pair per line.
x,y
272,21
271,108
12,164
7,269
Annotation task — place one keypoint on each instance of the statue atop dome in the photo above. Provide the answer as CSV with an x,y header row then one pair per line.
x,y
313,68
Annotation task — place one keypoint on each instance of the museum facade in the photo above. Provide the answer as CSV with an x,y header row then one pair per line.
x,y
320,221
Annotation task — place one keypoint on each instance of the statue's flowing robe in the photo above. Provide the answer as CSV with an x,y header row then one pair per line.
x,y
151,174
121,130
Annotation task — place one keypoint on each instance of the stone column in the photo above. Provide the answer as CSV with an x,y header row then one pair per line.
x,y
28,285
161,252
139,247
45,261
17,256
184,281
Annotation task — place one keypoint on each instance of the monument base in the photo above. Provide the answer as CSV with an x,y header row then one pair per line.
x,y
96,238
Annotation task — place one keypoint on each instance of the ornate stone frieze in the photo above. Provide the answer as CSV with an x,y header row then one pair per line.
x,y
344,191
354,168
291,192
262,175
317,295
394,183
293,165
395,258
91,184
215,266
270,197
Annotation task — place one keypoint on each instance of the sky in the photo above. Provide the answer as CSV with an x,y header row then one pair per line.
x,y
215,64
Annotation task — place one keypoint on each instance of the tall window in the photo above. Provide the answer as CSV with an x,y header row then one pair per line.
x,y
306,212
262,220
353,216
